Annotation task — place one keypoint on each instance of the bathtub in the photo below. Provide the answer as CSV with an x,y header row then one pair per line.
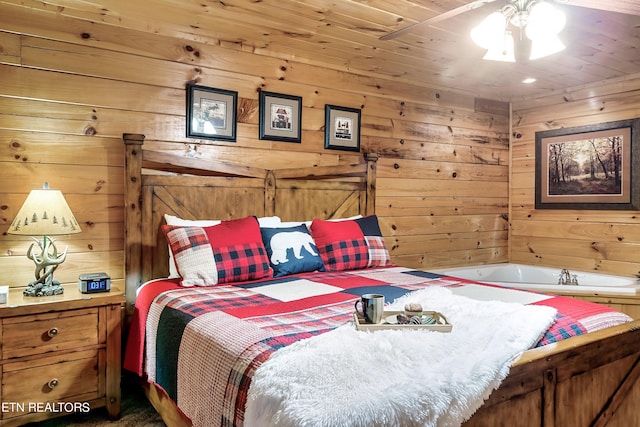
x,y
544,279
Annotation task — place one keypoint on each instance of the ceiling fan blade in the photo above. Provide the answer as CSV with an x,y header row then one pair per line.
x,y
446,15
629,7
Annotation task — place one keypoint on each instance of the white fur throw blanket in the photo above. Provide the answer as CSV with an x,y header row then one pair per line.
x,y
397,378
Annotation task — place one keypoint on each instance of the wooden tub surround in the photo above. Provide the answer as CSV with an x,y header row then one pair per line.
x,y
588,380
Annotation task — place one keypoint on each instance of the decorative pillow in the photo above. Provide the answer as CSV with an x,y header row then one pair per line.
x,y
341,244
378,253
228,252
266,221
291,250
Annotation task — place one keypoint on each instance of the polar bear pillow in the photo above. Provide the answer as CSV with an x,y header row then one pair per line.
x,y
291,250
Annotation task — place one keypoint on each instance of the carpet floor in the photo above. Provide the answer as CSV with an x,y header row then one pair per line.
x,y
136,411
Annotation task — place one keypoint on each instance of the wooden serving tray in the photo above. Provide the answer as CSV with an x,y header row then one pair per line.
x,y
441,325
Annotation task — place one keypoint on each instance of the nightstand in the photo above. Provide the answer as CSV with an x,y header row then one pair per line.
x,y
60,354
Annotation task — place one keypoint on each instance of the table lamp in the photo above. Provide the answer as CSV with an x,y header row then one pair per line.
x,y
45,213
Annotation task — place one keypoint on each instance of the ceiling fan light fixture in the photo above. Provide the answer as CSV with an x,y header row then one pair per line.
x,y
540,20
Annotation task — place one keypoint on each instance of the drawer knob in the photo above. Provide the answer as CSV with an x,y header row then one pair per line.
x,y
53,332
53,383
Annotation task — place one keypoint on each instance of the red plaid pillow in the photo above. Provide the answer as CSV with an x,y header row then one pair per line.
x,y
229,252
341,244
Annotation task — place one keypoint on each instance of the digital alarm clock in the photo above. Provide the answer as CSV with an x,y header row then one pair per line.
x,y
94,282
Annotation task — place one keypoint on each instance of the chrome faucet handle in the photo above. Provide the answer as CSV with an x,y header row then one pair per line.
x,y
565,277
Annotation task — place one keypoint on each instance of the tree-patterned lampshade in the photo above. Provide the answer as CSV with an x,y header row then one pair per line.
x,y
44,213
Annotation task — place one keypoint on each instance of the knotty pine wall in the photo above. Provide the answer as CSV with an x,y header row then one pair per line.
x,y
70,88
604,241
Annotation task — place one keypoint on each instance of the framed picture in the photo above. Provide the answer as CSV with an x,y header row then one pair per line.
x,y
341,128
589,167
211,113
280,117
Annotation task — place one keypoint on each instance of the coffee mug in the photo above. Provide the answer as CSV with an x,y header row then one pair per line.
x,y
372,307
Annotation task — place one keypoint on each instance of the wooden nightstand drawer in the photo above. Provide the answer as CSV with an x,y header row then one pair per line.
x,y
40,333
67,378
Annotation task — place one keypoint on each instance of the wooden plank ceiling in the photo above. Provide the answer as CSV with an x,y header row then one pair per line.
x,y
344,34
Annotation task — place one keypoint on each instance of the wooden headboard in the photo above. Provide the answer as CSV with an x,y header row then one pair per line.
x,y
159,183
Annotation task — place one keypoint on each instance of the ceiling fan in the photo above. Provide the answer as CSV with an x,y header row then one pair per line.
x,y
631,7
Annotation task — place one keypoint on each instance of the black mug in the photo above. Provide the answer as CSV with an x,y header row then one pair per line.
x,y
372,307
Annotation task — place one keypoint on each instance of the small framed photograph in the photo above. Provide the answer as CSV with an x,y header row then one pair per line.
x,y
211,113
589,167
280,117
341,128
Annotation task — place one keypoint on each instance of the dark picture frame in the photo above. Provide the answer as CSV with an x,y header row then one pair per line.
x,y
280,117
341,128
211,113
589,167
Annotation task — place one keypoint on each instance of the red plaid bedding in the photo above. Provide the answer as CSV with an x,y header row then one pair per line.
x,y
202,345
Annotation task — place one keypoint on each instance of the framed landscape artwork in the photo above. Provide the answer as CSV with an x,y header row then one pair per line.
x,y
589,167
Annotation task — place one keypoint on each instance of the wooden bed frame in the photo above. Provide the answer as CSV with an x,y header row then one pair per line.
x,y
588,380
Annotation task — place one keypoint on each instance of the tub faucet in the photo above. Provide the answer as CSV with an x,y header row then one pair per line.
x,y
566,278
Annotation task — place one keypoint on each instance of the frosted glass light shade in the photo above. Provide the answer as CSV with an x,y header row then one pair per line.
x,y
545,23
544,20
545,46
502,50
44,213
488,33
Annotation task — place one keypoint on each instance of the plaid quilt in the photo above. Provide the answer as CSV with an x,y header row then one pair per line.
x,y
202,345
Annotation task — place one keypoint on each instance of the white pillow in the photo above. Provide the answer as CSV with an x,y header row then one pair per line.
x,y
174,220
269,221
308,223
265,221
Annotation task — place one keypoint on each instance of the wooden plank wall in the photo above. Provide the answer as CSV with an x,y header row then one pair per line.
x,y
592,240
71,87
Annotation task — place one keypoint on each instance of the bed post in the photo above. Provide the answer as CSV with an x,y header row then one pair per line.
x,y
371,159
133,216
270,194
